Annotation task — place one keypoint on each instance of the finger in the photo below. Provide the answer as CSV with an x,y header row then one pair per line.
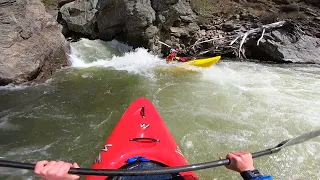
x,y
230,156
239,153
75,165
55,168
64,169
39,166
47,167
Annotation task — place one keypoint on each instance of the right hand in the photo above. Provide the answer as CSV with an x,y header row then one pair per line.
x,y
55,170
240,161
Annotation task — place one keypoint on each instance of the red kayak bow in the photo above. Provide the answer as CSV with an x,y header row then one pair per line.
x,y
141,140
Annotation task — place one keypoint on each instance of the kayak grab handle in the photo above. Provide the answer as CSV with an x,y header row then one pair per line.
x,y
145,139
142,112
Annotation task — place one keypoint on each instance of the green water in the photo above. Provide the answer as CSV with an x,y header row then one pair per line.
x,y
232,106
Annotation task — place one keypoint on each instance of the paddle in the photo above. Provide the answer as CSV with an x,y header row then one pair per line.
x,y
165,44
168,170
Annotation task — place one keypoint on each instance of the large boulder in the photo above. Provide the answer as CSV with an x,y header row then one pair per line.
x,y
31,44
131,19
80,16
170,14
139,16
281,47
144,22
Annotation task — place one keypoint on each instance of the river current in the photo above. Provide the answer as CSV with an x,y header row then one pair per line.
x,y
232,106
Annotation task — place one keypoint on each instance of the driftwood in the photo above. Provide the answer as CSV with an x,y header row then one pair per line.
x,y
234,43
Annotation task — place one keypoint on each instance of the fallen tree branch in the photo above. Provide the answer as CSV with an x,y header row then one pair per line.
x,y
232,42
264,30
242,42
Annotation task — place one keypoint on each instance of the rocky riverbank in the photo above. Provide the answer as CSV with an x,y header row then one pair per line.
x,y
203,27
32,46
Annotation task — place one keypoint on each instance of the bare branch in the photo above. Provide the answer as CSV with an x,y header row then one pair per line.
x,y
264,30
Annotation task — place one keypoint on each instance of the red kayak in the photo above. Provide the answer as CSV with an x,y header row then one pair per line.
x,y
141,140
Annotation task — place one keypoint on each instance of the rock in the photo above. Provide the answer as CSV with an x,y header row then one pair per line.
x,y
178,32
289,8
63,2
139,15
115,25
181,11
128,17
282,1
230,26
187,19
155,46
202,32
162,5
311,12
161,18
31,44
313,2
80,16
192,28
151,31
280,47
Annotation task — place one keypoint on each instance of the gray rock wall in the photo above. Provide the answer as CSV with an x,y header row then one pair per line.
x,y
31,44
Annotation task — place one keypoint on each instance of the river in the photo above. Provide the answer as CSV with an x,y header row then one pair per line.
x,y
232,106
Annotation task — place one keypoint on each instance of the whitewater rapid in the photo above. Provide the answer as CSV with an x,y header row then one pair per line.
x,y
230,106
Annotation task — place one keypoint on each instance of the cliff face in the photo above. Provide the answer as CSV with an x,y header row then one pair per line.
x,y
182,23
31,44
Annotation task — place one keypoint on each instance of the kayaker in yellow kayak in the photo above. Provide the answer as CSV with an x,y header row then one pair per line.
x,y
241,162
173,57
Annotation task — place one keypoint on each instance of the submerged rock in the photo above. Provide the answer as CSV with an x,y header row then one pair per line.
x,y
281,47
31,44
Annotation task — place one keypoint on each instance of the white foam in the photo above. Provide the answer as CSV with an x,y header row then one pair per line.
x,y
139,61
14,87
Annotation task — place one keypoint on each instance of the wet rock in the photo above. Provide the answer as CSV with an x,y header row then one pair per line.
x,y
31,44
80,16
281,47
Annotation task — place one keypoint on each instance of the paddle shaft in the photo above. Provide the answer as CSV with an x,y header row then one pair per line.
x,y
168,170
165,170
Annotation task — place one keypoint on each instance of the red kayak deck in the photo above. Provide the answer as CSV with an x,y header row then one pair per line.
x,y
140,132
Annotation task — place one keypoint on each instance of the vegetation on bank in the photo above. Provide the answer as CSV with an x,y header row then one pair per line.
x,y
267,11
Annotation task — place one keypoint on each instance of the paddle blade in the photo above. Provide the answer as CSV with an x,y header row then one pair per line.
x,y
300,139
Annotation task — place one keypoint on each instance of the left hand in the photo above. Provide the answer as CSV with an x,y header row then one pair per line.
x,y
55,170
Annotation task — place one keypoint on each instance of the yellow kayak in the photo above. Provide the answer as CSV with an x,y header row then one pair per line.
x,y
204,63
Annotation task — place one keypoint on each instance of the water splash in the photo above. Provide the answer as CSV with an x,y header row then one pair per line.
x,y
138,61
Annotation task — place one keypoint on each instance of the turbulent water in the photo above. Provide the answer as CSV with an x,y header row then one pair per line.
x,y
232,106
